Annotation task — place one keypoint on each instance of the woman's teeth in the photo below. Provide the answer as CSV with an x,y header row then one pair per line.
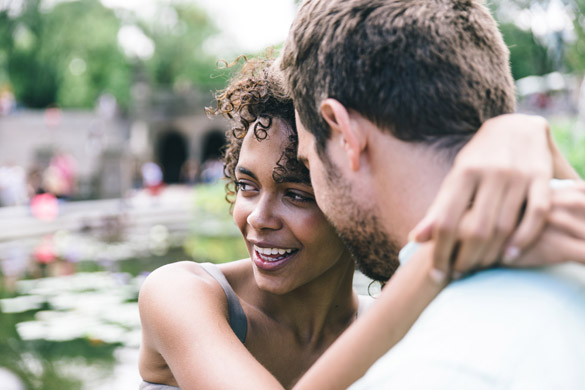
x,y
272,251
266,252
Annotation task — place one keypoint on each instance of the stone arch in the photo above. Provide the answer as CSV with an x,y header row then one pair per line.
x,y
212,145
172,152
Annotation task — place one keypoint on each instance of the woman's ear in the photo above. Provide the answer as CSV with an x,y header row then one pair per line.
x,y
351,137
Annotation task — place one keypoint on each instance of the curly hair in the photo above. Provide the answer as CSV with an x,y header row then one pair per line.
x,y
252,100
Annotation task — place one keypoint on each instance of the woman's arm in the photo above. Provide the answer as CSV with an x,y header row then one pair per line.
x,y
563,238
499,178
500,174
184,319
401,302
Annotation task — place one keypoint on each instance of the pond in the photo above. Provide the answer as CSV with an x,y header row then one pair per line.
x,y
63,332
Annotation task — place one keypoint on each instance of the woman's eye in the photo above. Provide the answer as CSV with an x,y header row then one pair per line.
x,y
295,196
243,186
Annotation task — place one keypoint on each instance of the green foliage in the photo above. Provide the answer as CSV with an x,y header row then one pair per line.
x,y
571,141
69,54
216,249
216,239
179,55
576,50
84,36
527,55
210,199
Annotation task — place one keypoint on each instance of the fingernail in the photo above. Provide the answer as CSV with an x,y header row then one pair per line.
x,y
437,275
510,254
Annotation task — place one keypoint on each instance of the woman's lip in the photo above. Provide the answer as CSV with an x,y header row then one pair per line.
x,y
272,265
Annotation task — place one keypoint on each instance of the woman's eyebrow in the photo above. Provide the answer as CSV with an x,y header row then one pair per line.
x,y
294,178
247,172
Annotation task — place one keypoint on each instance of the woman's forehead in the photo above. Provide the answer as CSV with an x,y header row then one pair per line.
x,y
274,154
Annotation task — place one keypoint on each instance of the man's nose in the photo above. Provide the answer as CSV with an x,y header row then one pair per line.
x,y
264,215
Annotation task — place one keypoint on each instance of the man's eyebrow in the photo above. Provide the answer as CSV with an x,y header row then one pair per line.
x,y
247,172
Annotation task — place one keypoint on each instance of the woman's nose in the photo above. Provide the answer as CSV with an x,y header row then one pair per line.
x,y
264,215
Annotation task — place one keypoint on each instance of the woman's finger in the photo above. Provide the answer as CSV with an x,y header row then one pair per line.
x,y
533,220
456,194
553,247
479,224
511,208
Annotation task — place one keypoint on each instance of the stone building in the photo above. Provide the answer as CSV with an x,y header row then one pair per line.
x,y
170,129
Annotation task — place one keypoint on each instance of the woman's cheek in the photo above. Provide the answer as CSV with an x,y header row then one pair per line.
x,y
240,215
315,226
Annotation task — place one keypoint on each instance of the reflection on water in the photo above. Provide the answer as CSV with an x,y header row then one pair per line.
x,y
64,332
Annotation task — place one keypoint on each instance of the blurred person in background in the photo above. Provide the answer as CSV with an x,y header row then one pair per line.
x,y
190,172
59,178
152,177
212,170
7,100
13,190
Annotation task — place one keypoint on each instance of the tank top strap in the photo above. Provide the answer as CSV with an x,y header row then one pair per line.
x,y
237,318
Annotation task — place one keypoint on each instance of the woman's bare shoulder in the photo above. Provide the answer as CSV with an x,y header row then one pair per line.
x,y
183,283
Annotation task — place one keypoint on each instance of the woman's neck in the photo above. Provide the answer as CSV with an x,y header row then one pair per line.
x,y
313,311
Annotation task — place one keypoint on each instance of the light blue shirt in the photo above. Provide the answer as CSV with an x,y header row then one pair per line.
x,y
498,329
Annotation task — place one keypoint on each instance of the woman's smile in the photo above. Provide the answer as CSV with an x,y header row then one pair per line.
x,y
272,259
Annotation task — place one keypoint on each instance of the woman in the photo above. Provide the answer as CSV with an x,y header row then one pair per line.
x,y
295,291
263,321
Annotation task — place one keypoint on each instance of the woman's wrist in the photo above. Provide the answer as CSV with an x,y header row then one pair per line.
x,y
421,255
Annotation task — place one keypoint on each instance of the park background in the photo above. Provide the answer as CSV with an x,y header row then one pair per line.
x,y
110,168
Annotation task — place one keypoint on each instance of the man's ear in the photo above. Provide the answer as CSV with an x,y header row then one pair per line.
x,y
352,138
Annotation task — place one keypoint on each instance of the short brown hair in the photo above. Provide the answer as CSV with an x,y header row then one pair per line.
x,y
254,97
426,70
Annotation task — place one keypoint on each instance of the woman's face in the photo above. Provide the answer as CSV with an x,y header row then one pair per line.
x,y
289,240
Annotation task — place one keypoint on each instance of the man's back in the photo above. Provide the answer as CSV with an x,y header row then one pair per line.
x,y
498,329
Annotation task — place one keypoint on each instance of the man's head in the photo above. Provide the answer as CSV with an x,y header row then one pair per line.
x,y
422,72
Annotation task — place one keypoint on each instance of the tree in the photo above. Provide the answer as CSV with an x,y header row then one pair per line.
x,y
564,50
180,55
67,56
528,56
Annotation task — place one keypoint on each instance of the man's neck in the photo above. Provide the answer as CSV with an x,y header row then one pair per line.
x,y
407,179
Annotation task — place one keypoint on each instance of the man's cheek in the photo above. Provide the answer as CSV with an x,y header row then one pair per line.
x,y
322,198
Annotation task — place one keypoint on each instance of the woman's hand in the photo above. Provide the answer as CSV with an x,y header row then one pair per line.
x,y
563,238
505,167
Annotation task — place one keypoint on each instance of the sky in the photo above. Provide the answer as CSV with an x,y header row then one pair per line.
x,y
247,25
251,25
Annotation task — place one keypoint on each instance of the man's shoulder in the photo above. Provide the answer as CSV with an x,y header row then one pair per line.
x,y
494,329
512,303
509,286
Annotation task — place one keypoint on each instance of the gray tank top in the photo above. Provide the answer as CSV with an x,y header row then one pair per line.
x,y
237,318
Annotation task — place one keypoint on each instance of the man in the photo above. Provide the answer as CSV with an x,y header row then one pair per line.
x,y
392,89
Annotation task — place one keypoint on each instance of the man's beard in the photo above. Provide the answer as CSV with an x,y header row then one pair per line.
x,y
375,253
